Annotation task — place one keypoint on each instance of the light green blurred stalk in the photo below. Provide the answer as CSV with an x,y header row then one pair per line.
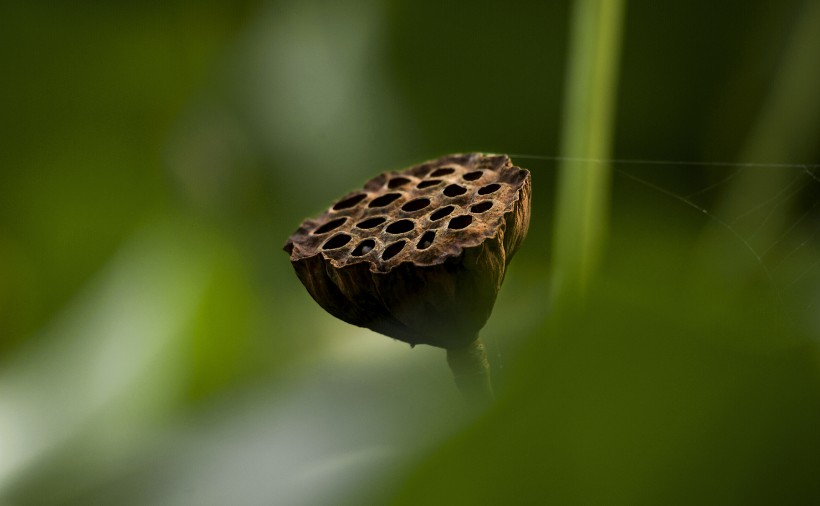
x,y
584,178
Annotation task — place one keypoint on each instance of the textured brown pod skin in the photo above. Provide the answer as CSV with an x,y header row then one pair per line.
x,y
369,259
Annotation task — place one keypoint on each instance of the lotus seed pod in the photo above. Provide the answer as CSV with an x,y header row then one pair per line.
x,y
418,255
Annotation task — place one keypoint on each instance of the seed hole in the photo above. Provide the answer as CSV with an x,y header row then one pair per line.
x,y
460,222
364,248
393,250
384,200
396,182
337,241
371,223
490,188
330,225
441,213
349,202
454,190
428,183
482,206
415,205
399,227
426,240
472,176
444,171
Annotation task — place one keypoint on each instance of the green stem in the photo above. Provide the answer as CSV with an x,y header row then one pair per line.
x,y
471,370
584,176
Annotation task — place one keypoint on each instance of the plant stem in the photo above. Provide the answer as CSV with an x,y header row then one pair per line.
x,y
584,177
471,370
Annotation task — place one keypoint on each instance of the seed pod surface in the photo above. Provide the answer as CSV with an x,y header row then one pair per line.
x,y
418,255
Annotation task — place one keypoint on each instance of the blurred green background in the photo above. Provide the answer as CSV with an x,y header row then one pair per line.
x,y
156,347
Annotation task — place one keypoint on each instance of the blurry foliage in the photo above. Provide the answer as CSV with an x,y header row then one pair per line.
x,y
91,93
650,395
155,346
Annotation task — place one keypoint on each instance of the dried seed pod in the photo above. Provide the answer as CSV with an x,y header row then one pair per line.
x,y
418,255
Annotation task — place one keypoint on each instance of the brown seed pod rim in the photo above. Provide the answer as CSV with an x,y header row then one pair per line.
x,y
517,177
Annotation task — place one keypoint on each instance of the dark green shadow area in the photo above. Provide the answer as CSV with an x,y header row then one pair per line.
x,y
667,387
